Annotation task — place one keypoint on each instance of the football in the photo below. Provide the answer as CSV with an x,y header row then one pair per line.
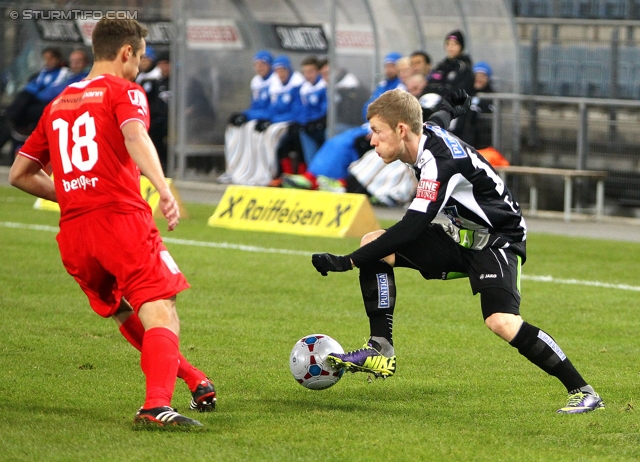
x,y
308,361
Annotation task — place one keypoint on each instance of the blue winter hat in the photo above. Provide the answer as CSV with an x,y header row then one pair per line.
x,y
150,53
482,67
282,61
391,58
263,55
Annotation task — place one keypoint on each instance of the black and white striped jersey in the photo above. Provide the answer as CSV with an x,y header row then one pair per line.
x,y
457,182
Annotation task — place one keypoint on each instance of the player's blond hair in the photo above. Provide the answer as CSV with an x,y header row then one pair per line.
x,y
110,35
397,106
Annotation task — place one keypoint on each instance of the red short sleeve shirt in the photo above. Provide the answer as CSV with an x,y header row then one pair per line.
x,y
80,134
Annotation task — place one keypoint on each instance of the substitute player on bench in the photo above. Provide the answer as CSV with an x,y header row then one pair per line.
x,y
95,137
485,240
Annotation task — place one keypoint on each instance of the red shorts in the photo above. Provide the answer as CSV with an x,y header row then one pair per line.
x,y
114,255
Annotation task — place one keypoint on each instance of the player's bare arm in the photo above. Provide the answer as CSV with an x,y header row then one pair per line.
x,y
28,176
144,154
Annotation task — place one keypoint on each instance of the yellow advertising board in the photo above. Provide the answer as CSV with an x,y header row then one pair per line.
x,y
294,211
147,191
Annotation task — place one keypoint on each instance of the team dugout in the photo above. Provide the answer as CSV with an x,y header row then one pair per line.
x,y
216,41
212,43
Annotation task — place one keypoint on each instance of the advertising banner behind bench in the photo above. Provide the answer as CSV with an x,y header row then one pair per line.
x,y
313,213
147,191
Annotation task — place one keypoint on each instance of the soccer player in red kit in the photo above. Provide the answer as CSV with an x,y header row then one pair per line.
x,y
94,135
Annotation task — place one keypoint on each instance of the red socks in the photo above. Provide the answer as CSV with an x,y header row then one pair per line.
x,y
133,331
159,362
286,165
312,178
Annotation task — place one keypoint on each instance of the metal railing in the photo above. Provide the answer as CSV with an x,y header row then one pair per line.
x,y
581,106
575,133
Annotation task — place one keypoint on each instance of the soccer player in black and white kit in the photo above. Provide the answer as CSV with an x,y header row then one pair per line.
x,y
484,240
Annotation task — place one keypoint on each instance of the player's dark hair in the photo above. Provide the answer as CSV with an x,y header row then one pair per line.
x,y
310,61
110,35
323,62
84,53
55,52
426,57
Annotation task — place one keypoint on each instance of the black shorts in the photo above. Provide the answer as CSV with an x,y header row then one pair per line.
x,y
437,256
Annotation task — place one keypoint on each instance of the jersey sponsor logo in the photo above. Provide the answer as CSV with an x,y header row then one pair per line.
x,y
457,151
383,290
137,98
427,189
82,182
74,101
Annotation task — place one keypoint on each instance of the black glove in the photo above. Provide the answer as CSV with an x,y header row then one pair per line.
x,y
315,126
237,119
262,125
457,103
325,262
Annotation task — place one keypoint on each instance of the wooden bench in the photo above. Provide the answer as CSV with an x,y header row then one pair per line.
x,y
568,176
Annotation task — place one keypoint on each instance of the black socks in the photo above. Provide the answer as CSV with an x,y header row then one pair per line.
x,y
378,286
540,348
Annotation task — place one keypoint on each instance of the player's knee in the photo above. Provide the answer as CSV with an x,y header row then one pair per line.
x,y
160,313
122,313
372,236
505,325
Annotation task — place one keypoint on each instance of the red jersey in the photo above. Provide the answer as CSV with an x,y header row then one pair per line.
x,y
80,133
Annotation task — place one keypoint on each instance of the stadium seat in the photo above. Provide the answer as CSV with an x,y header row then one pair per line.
x,y
628,78
567,9
613,9
625,89
593,80
634,9
547,69
566,78
535,8
595,72
588,9
545,77
567,64
635,81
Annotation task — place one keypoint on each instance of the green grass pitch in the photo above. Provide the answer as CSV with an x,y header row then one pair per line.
x,y
70,384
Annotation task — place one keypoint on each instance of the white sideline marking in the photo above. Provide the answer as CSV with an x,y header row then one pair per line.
x,y
8,224
251,248
578,282
216,245
226,245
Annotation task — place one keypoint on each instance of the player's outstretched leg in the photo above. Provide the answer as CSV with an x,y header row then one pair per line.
x,y
500,309
377,356
203,392
542,350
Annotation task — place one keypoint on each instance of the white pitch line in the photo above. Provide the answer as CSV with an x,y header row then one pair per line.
x,y
578,282
8,224
170,240
251,248
227,245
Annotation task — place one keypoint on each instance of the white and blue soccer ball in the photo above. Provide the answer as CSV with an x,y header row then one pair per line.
x,y
308,361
